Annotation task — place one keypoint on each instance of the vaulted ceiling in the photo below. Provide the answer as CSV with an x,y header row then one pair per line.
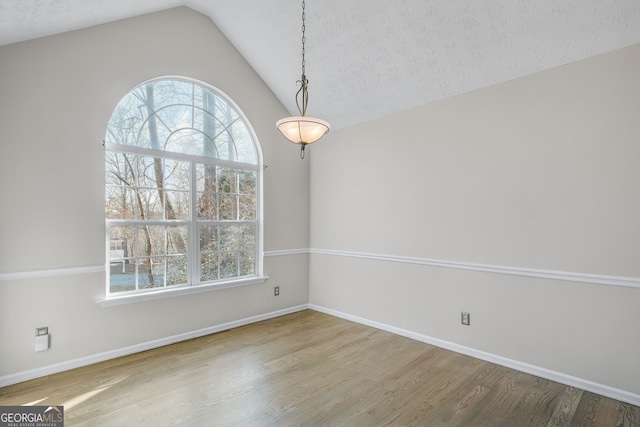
x,y
370,58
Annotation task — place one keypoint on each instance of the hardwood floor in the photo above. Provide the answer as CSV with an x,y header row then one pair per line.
x,y
311,369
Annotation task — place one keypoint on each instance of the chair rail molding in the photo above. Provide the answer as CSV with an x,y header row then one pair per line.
x,y
629,282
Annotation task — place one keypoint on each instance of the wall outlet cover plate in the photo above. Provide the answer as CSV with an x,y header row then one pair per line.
x,y
42,342
465,318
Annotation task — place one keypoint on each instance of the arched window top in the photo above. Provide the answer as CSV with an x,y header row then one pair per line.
x,y
182,191
185,117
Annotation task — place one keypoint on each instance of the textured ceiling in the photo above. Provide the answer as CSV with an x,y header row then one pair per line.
x,y
370,58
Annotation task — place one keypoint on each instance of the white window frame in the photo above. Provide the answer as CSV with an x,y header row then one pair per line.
x,y
193,224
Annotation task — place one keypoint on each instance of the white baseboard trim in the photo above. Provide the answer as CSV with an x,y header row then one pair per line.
x,y
559,377
112,354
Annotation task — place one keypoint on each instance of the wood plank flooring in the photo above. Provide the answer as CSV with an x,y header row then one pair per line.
x,y
311,369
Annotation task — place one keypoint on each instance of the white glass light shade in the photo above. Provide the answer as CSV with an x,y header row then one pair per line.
x,y
302,130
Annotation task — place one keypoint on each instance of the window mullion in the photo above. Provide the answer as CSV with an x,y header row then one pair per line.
x,y
136,263
237,218
193,256
218,229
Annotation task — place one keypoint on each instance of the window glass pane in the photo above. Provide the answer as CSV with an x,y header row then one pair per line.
x,y
119,198
160,240
243,143
153,240
207,206
247,263
177,116
146,278
176,205
247,237
228,209
209,127
224,113
122,282
177,240
229,237
206,178
209,267
122,241
121,262
118,203
199,118
142,137
139,195
228,264
187,141
199,94
209,149
148,205
159,268
247,208
208,238
155,133
247,182
225,146
177,270
116,169
227,180
143,170
176,175
182,117
129,207
168,92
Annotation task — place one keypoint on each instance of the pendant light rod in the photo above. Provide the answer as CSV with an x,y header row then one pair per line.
x,y
303,130
303,80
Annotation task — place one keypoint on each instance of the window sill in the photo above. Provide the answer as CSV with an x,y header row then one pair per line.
x,y
174,292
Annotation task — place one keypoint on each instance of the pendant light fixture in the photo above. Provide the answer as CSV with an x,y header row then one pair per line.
x,y
301,129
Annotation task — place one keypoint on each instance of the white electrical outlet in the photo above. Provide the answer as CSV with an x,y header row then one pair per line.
x,y
465,318
42,342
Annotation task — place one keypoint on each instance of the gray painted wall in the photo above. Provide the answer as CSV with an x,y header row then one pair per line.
x,y
539,173
57,96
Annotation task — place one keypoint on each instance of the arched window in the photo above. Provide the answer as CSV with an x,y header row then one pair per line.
x,y
182,196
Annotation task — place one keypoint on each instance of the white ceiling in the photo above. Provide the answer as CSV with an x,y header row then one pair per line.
x,y
370,58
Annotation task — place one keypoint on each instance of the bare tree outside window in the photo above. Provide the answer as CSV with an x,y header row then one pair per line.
x,y
182,179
